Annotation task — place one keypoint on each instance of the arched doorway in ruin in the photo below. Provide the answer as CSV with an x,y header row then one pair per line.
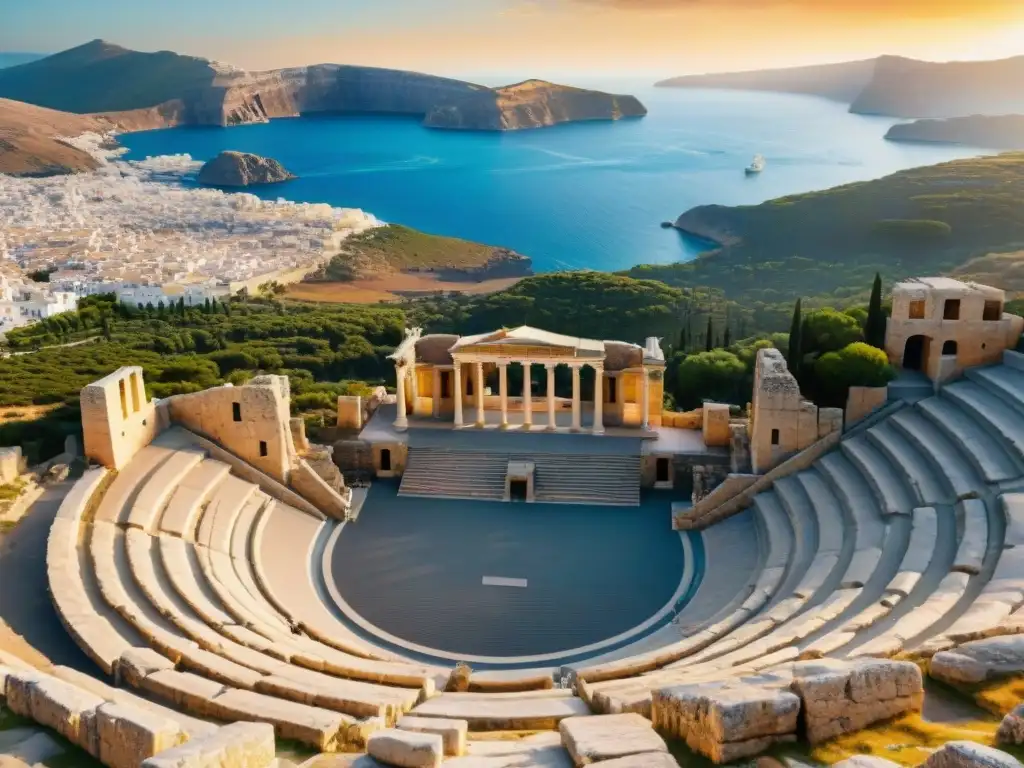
x,y
914,352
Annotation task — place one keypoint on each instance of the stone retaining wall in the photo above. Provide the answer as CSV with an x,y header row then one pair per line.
x,y
737,492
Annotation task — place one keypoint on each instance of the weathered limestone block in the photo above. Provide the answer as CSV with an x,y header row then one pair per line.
x,y
849,699
865,761
127,735
320,728
979,660
68,710
604,737
136,664
726,723
406,749
1011,730
968,754
239,745
453,733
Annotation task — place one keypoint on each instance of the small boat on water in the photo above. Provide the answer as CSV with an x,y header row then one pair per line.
x,y
756,166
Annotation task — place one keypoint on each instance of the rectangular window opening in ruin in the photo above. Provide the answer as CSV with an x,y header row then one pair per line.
x,y
951,310
993,310
135,393
263,447
612,389
775,437
917,310
236,411
124,399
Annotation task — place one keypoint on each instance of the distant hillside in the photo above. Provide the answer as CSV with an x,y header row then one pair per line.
x,y
890,85
841,82
996,131
908,88
922,221
147,90
14,59
28,146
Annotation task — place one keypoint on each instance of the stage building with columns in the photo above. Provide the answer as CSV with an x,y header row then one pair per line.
x,y
531,414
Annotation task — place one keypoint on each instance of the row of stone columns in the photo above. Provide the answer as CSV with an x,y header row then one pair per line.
x,y
401,420
478,383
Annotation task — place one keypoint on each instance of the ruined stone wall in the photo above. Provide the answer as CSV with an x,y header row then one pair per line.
x,y
716,425
252,421
862,401
782,421
12,464
950,345
117,417
354,458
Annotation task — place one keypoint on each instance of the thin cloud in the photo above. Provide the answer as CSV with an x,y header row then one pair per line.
x,y
882,9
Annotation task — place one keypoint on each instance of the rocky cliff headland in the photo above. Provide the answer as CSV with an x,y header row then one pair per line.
x,y
242,169
990,131
893,86
148,90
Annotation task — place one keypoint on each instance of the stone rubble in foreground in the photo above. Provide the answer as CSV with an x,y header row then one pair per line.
x,y
135,222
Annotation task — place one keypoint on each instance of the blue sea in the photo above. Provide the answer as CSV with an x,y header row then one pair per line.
x,y
587,195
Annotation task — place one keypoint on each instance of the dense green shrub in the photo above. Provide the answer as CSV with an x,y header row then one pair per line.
x,y
856,365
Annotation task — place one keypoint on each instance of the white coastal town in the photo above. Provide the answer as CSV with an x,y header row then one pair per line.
x,y
132,228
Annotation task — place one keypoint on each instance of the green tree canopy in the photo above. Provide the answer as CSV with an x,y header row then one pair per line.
x,y
826,330
716,375
855,365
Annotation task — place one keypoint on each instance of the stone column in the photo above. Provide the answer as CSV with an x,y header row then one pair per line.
x,y
503,392
457,384
479,387
436,390
401,421
414,388
598,428
576,421
551,396
527,396
645,400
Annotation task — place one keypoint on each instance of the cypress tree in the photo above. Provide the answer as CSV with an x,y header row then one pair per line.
x,y
709,335
795,355
874,325
682,341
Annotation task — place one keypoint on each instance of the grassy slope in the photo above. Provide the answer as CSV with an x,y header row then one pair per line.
x,y
395,248
830,243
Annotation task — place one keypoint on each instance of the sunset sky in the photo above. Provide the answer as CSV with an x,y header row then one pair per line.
x,y
543,38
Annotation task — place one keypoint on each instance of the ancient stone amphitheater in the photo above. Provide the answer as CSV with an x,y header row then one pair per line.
x,y
191,574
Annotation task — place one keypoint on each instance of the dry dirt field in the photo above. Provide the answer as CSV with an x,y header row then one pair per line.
x,y
389,288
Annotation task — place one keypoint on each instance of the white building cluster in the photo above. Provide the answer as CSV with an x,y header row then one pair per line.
x,y
23,301
134,229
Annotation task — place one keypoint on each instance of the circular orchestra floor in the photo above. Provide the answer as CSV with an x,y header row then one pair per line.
x,y
467,579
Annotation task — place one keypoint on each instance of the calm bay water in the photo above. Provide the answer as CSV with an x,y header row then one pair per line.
x,y
588,195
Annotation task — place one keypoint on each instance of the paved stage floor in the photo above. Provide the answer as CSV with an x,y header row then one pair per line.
x,y
415,568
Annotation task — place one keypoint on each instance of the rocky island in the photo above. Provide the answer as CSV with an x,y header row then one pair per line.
x,y
164,89
991,131
241,169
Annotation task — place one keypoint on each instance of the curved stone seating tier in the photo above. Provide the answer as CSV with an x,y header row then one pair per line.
x,y
183,507
956,468
890,489
991,410
527,711
218,520
989,459
288,584
909,463
153,496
